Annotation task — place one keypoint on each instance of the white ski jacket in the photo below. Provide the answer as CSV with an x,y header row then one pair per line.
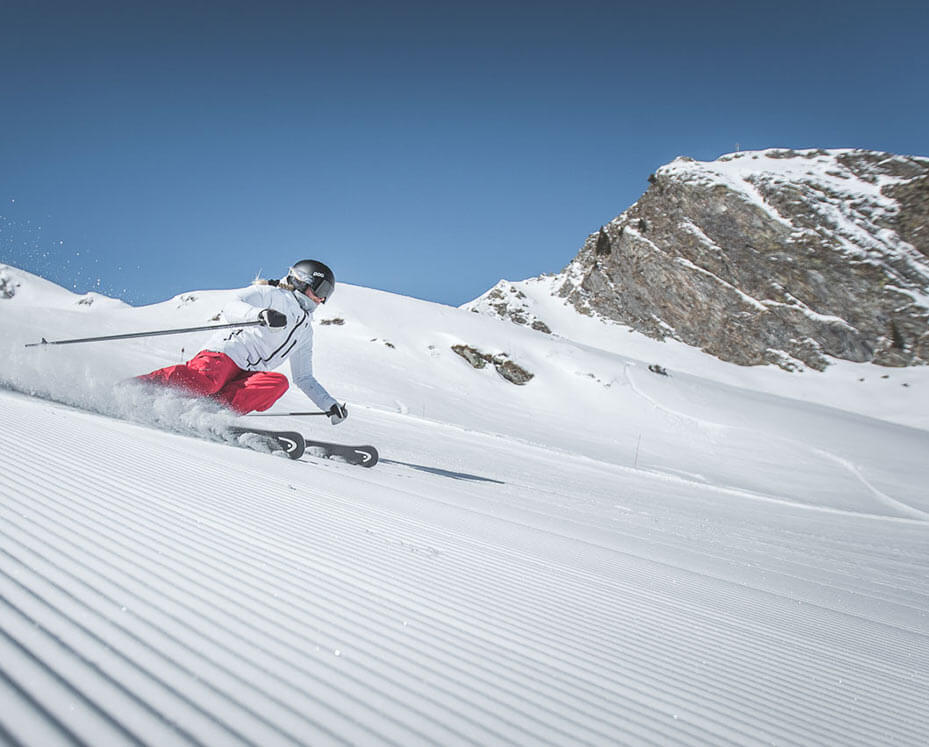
x,y
266,348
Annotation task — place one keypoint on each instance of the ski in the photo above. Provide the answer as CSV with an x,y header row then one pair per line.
x,y
290,442
363,456
295,445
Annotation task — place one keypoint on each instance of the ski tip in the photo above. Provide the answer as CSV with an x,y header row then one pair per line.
x,y
293,444
368,454
290,442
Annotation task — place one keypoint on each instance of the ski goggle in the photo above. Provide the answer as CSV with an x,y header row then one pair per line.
x,y
321,287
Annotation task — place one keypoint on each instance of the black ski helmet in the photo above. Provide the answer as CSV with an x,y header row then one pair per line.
x,y
308,273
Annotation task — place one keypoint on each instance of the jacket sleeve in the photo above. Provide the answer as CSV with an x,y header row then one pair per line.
x,y
301,366
246,307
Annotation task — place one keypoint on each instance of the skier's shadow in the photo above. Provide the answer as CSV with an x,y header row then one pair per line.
x,y
443,472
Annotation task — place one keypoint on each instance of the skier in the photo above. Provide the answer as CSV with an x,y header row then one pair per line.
x,y
236,368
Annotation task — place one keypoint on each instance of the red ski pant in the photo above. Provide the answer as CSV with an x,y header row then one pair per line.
x,y
216,375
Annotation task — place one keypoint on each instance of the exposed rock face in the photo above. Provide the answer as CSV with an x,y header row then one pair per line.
x,y
778,257
509,370
7,284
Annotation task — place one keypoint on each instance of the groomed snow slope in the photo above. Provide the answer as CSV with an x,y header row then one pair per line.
x,y
602,556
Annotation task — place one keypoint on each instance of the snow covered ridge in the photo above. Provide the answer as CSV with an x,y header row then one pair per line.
x,y
793,258
22,288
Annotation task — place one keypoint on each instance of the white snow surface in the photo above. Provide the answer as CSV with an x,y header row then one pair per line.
x,y
602,556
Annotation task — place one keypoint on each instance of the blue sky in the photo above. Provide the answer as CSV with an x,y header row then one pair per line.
x,y
425,148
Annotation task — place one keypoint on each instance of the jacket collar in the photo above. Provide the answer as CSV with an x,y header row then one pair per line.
x,y
307,303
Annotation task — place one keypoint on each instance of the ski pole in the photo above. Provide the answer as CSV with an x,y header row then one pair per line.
x,y
142,334
283,414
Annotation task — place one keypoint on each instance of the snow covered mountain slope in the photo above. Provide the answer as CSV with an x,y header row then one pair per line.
x,y
602,555
897,395
792,258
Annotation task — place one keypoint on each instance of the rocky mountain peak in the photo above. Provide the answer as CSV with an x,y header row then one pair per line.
x,y
777,256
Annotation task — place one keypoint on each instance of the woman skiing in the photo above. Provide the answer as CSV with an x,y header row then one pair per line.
x,y
236,368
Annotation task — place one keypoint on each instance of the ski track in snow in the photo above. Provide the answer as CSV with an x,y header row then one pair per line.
x,y
887,500
897,506
281,612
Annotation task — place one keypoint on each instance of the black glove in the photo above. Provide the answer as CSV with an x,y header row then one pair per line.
x,y
272,318
337,413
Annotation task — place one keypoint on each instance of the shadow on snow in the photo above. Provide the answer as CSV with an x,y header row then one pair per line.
x,y
444,472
